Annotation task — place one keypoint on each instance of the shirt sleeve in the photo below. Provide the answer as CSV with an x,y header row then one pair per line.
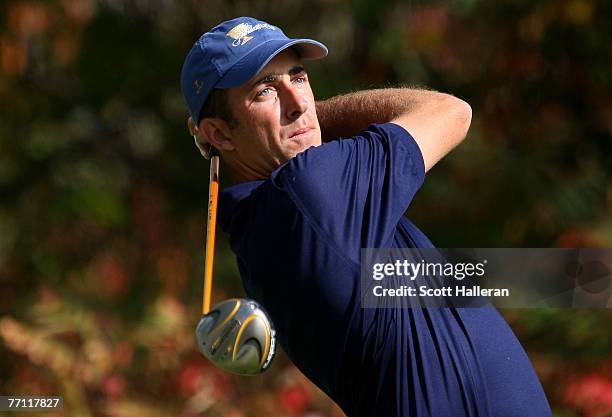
x,y
354,191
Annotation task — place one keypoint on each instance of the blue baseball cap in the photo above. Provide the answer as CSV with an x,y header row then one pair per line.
x,y
232,53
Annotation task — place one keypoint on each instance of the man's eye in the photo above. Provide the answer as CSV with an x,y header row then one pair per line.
x,y
264,92
300,80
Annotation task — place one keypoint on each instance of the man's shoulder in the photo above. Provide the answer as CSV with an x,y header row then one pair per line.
x,y
330,162
250,204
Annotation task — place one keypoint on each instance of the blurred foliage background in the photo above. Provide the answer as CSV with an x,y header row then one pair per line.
x,y
102,193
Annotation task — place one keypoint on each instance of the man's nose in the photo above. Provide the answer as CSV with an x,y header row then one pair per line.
x,y
295,103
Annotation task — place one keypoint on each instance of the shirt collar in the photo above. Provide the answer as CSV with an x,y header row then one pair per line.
x,y
230,199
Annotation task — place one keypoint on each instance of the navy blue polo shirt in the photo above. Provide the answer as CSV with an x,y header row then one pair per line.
x,y
298,236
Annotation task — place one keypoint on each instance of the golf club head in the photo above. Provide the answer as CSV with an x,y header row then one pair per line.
x,y
236,335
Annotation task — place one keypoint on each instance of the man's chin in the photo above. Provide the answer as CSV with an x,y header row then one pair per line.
x,y
299,145
298,150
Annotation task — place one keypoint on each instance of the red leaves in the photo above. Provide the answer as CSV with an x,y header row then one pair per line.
x,y
189,377
110,276
294,399
574,238
113,386
174,267
123,353
199,375
591,394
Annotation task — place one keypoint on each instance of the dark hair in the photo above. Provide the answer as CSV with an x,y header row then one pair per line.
x,y
217,105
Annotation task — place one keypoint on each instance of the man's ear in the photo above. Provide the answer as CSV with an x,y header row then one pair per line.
x,y
191,126
199,139
212,132
217,132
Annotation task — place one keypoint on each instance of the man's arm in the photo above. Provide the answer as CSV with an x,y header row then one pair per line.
x,y
437,121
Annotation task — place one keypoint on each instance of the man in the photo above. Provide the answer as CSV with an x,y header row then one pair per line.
x,y
303,210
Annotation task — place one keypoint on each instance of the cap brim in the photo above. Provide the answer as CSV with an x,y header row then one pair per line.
x,y
247,67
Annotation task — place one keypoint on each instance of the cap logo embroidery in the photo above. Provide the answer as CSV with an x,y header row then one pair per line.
x,y
197,85
240,33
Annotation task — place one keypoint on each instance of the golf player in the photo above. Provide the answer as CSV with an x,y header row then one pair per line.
x,y
318,181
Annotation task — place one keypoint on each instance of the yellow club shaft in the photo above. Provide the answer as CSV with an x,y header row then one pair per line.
x,y
213,196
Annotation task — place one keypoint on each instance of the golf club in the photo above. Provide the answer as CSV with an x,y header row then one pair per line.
x,y
236,334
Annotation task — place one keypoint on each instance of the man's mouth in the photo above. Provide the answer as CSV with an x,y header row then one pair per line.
x,y
300,132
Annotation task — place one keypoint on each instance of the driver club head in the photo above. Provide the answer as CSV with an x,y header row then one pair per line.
x,y
237,336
